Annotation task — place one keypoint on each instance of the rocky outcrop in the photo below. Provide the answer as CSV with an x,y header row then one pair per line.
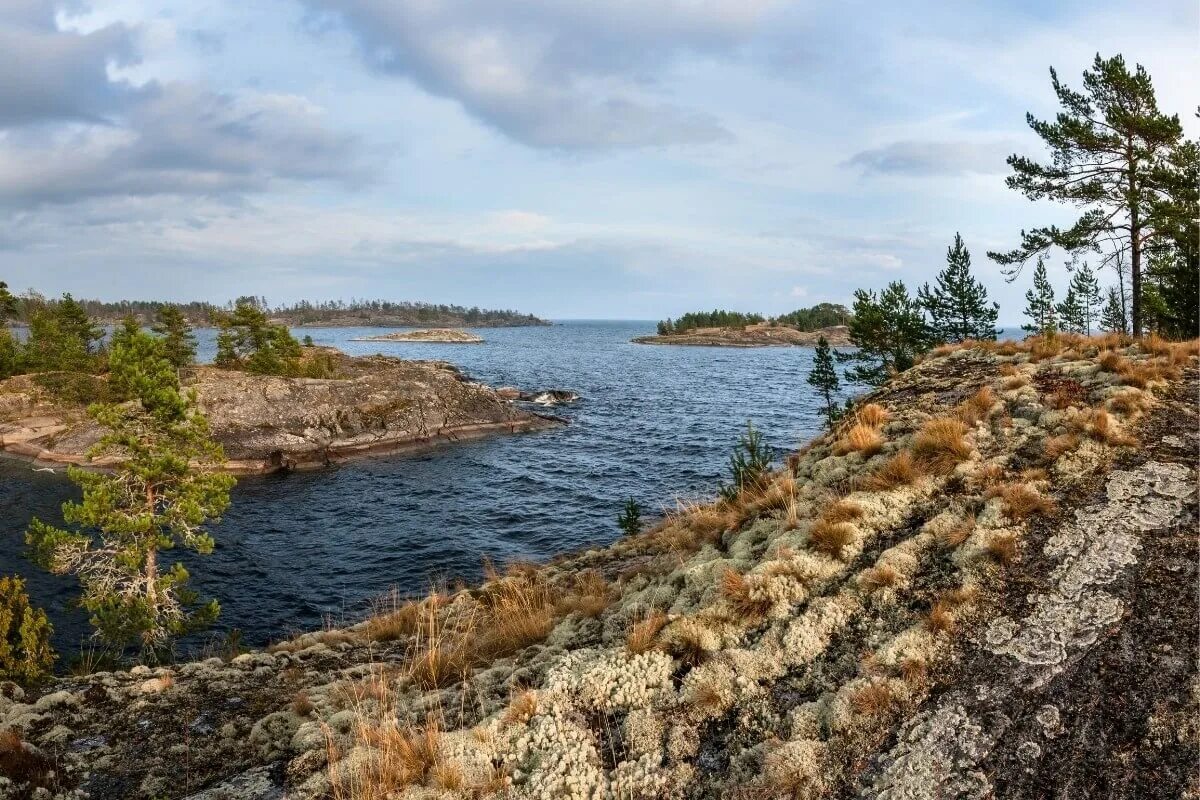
x,y
764,335
266,423
435,335
992,597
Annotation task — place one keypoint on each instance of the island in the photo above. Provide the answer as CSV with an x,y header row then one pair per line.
x,y
763,334
978,585
436,335
266,423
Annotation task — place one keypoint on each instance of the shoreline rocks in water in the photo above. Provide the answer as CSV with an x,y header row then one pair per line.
x,y
764,335
994,598
267,423
433,335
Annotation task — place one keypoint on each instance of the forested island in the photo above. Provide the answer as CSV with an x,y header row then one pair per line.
x,y
327,313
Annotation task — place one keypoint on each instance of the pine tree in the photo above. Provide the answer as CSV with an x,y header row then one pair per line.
x,y
1039,304
25,652
749,463
1070,312
1106,145
1174,269
8,305
161,493
249,341
1086,290
179,342
958,307
62,338
824,378
1112,318
630,518
889,332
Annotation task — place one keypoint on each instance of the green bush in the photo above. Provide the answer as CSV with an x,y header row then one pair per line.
x,y
25,653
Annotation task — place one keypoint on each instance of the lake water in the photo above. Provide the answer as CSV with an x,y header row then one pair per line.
x,y
294,550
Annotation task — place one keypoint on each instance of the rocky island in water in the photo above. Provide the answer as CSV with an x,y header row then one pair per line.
x,y
437,335
757,335
265,423
979,585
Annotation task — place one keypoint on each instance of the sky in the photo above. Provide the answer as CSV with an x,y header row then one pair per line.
x,y
616,159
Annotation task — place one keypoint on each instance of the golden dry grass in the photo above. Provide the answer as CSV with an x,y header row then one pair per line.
x,y
941,445
1016,382
882,576
302,706
1111,361
1001,548
706,696
939,619
590,595
872,415
842,511
687,645
1129,403
977,406
643,633
900,470
521,708
954,535
737,591
1099,425
859,438
1008,370
1021,501
1053,447
914,669
830,538
404,755
873,699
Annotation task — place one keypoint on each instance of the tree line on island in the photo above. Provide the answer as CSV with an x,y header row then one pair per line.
x,y
358,312
1113,154
822,315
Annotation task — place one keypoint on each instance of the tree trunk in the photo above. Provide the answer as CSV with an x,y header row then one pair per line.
x,y
1135,271
151,570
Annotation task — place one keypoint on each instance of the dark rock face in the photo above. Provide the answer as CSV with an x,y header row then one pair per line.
x,y
268,423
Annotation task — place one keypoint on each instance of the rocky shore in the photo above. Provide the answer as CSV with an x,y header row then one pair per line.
x,y
764,335
377,404
981,585
442,335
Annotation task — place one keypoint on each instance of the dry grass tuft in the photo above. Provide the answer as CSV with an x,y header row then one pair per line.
x,y
23,764
1129,403
901,470
1021,501
960,595
643,633
872,415
301,705
403,756
1001,548
591,595
521,709
388,625
1055,446
941,445
1008,370
914,669
882,576
737,590
939,620
1111,361
1155,345
707,696
956,534
1098,424
1016,382
830,538
843,511
977,406
874,699
517,612
687,645
859,438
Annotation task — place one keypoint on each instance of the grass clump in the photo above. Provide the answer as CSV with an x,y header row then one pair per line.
x,y
881,576
1054,447
1001,548
939,620
643,633
954,535
1021,501
941,445
843,511
859,438
740,595
977,406
830,538
874,699
900,470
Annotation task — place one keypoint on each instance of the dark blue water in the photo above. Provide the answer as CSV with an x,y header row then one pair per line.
x,y
656,423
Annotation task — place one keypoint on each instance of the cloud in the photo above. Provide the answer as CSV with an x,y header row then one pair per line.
x,y
553,73
68,131
930,158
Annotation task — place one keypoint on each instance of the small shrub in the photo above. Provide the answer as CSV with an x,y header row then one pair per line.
x,y
830,538
630,518
940,445
901,470
859,438
26,656
749,463
643,633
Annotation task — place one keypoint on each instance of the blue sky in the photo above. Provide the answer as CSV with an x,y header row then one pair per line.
x,y
617,159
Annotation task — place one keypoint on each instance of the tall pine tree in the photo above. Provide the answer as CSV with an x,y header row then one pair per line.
x,y
958,306
1106,145
179,342
1174,270
1039,303
162,491
1070,312
824,378
1086,290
